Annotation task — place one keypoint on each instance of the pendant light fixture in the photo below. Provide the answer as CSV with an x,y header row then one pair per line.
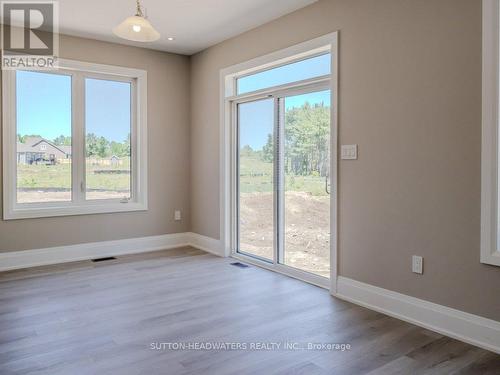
x,y
137,28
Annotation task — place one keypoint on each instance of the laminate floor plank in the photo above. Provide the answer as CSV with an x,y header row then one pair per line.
x,y
113,317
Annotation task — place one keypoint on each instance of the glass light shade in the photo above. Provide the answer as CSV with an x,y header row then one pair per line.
x,y
138,29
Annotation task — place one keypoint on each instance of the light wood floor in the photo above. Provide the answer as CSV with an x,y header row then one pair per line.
x,y
101,318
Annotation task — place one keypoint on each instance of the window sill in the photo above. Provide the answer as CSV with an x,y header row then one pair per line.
x,y
27,212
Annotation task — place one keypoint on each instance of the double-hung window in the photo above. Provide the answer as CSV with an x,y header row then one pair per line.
x,y
490,171
74,140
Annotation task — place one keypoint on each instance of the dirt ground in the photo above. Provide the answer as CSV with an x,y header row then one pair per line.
x,y
307,229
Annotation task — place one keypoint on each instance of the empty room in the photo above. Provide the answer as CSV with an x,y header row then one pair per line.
x,y
250,187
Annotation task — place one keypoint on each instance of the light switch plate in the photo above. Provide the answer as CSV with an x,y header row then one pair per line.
x,y
349,152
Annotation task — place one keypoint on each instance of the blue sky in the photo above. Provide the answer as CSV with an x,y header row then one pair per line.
x,y
44,106
256,122
107,111
256,118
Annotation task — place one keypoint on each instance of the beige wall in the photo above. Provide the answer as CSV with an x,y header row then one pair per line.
x,y
168,133
410,96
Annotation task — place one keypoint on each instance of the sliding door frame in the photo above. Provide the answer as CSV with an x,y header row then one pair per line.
x,y
236,191
229,146
278,96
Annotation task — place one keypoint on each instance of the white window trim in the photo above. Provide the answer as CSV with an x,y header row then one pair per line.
x,y
323,44
78,206
490,253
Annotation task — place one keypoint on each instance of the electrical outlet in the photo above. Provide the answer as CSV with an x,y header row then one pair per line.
x,y
417,264
177,215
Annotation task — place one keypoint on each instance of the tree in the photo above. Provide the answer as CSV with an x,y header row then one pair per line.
x,y
22,138
127,148
307,140
246,151
62,141
268,149
91,143
102,147
118,149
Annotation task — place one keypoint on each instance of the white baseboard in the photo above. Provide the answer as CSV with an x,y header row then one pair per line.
x,y
460,325
205,243
72,253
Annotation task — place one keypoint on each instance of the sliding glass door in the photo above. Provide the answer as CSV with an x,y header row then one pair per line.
x,y
283,185
305,167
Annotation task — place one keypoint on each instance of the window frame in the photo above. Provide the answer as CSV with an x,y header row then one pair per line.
x,y
228,97
79,205
490,253
316,52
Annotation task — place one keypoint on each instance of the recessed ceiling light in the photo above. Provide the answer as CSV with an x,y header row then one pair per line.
x,y
170,38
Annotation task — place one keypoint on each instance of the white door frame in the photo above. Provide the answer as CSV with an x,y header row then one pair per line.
x,y
228,76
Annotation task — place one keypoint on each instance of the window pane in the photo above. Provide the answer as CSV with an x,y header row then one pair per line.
x,y
107,143
43,110
256,156
298,71
306,168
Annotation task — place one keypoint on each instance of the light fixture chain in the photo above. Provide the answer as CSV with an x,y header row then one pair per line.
x,y
139,9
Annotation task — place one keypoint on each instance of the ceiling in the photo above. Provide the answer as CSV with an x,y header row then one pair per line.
x,y
195,24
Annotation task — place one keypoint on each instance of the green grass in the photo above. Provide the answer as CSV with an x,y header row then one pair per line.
x,y
115,182
59,177
257,176
44,176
